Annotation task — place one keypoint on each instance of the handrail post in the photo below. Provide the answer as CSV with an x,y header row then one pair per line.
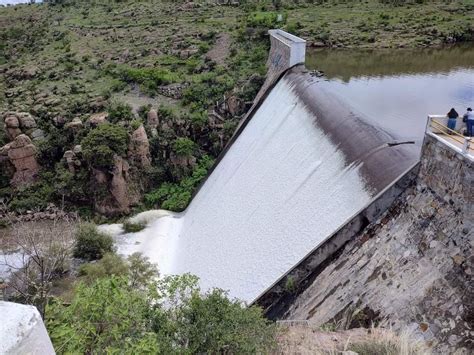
x,y
465,147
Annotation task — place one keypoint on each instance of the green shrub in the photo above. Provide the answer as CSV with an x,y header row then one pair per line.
x,y
131,227
135,124
149,77
176,196
184,146
166,112
112,315
266,20
33,197
119,112
90,243
207,88
102,143
109,265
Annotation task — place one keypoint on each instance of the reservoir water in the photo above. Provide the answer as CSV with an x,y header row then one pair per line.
x,y
397,89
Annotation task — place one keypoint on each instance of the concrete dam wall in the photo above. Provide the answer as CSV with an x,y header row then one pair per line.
x,y
301,165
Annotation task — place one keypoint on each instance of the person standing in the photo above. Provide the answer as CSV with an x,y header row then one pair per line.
x,y
452,117
469,119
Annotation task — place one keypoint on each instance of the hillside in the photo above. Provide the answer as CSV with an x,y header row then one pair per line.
x,y
170,79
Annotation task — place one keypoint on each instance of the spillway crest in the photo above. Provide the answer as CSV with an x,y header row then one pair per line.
x,y
302,166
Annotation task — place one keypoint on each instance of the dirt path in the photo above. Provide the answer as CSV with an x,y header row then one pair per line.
x,y
221,49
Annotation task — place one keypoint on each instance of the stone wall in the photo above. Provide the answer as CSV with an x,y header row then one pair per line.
x,y
412,268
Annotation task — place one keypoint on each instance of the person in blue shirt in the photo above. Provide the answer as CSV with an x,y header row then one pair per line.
x,y
469,119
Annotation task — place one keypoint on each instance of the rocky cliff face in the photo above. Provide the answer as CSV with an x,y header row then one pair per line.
x,y
19,155
414,267
116,195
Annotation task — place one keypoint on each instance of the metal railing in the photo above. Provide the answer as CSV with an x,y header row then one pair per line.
x,y
437,124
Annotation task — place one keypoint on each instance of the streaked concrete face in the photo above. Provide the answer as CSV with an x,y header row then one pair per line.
x,y
22,330
299,170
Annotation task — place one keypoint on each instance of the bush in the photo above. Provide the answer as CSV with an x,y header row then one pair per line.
x,y
130,227
32,197
112,315
119,112
90,243
207,88
176,196
102,143
109,265
184,146
149,77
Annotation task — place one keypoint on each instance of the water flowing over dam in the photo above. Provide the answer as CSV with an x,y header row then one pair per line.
x,y
301,166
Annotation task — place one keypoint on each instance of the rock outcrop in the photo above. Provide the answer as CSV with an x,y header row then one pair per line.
x,y
139,148
72,161
118,194
12,126
98,118
21,154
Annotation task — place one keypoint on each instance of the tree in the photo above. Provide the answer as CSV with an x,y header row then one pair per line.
x,y
104,142
43,255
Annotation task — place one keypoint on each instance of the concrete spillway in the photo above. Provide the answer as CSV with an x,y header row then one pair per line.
x,y
302,166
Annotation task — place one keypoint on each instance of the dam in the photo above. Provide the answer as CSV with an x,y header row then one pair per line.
x,y
300,167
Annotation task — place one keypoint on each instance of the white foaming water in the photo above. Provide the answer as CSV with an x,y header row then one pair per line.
x,y
280,190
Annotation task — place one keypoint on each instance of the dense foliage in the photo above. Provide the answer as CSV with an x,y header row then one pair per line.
x,y
176,196
103,143
90,243
136,315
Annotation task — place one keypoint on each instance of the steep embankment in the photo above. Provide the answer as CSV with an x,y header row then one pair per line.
x,y
413,267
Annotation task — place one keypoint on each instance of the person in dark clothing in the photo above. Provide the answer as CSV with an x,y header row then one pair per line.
x,y
452,117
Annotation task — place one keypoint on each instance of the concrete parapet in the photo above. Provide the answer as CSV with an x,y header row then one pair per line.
x,y
286,51
22,330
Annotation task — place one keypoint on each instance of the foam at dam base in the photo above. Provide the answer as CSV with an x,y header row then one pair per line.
x,y
280,190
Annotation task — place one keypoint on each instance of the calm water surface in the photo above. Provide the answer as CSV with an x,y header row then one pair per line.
x,y
397,89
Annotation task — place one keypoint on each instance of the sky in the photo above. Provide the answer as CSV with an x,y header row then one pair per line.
x,y
5,2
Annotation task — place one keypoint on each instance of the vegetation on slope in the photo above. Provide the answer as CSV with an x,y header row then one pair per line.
x,y
67,60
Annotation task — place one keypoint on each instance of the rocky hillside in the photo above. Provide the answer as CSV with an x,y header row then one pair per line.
x,y
110,107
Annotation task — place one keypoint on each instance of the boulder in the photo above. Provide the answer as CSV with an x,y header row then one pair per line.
x,y
139,148
22,155
59,121
152,118
75,125
12,126
27,121
37,134
72,161
235,106
98,118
